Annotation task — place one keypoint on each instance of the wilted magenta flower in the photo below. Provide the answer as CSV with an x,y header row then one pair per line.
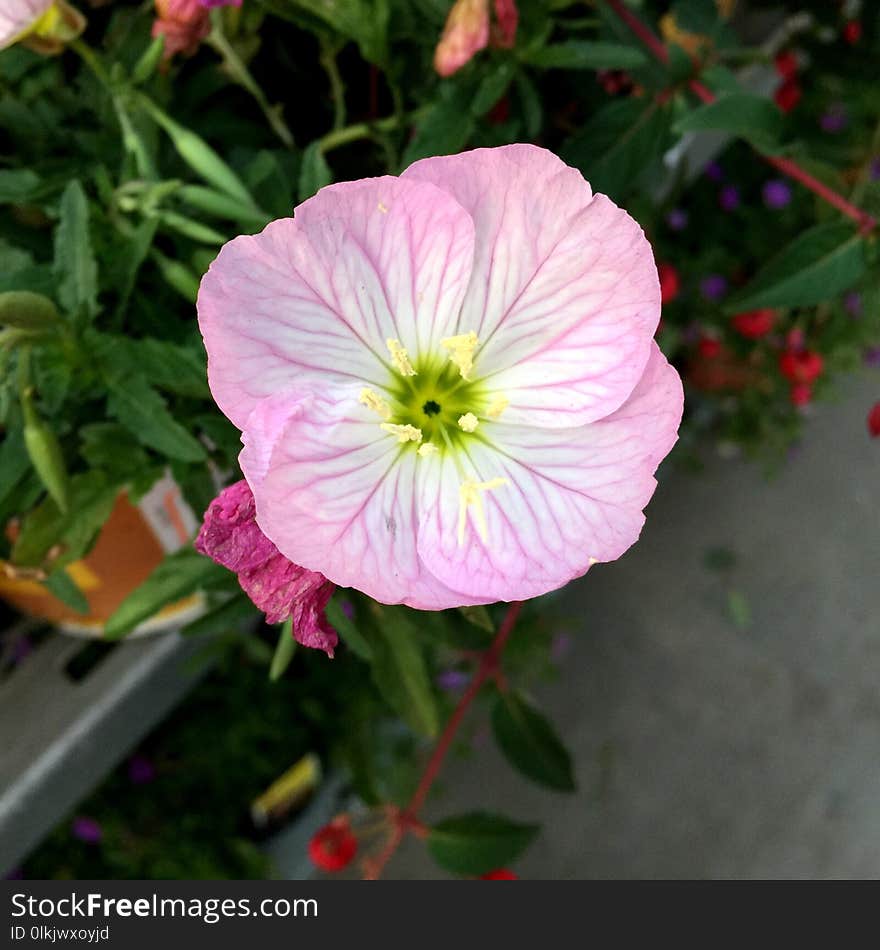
x,y
44,25
141,770
713,287
87,829
872,357
231,537
835,119
183,23
777,193
714,172
447,382
728,198
852,303
677,219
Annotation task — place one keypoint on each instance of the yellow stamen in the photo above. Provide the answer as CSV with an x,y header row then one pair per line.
x,y
469,494
497,406
461,351
468,422
400,358
426,449
382,208
403,433
375,402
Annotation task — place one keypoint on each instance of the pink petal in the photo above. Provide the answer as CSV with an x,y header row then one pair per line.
x,y
340,497
575,496
564,294
315,298
16,16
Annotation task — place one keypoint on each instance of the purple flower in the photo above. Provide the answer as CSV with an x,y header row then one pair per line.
x,y
852,303
875,169
872,357
140,770
713,287
777,193
714,172
728,198
87,829
835,119
677,219
451,681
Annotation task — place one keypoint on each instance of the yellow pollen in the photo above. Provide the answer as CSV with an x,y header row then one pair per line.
x,y
469,494
403,433
461,351
468,422
382,208
375,402
400,358
426,449
497,406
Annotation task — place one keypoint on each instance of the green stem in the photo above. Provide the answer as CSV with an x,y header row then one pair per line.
x,y
363,130
337,88
242,75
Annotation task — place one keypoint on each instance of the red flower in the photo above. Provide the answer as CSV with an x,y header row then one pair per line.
x,y
333,847
709,348
755,323
801,366
504,874
786,63
788,95
669,282
874,420
800,394
852,32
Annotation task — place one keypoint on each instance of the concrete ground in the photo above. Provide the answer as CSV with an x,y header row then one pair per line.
x,y
718,737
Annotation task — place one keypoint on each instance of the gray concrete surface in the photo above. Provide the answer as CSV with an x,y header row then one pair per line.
x,y
706,747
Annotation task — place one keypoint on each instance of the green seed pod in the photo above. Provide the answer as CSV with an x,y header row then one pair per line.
x,y
27,311
45,455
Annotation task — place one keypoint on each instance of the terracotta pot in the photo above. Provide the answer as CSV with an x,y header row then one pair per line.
x,y
133,542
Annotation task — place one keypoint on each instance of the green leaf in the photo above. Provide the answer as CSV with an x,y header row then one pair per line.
x,y
226,617
492,88
820,264
583,54
478,842
149,60
178,576
13,461
27,311
618,144
530,742
17,185
74,264
91,496
220,205
63,586
284,651
314,172
399,669
532,107
752,117
47,459
479,617
444,130
348,630
134,402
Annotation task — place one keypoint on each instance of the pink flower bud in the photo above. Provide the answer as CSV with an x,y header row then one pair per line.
x,y
466,33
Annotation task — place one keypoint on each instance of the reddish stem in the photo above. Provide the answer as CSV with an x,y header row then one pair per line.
x,y
865,222
407,820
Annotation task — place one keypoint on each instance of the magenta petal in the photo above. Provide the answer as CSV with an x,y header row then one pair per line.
x,y
281,589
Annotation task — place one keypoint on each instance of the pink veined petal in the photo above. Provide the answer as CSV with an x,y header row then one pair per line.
x,y
575,496
314,299
262,430
340,497
564,294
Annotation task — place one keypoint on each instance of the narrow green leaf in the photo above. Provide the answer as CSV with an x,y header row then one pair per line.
x,y
74,263
91,497
18,185
444,130
399,669
530,742
819,265
478,842
284,651
492,88
348,630
134,402
149,60
47,459
63,586
314,172
136,247
220,205
479,617
753,117
230,615
584,54
178,576
178,276
13,461
192,229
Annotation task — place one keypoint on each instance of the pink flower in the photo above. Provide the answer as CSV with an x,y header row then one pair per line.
x,y
506,21
183,23
467,31
44,25
447,382
230,536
